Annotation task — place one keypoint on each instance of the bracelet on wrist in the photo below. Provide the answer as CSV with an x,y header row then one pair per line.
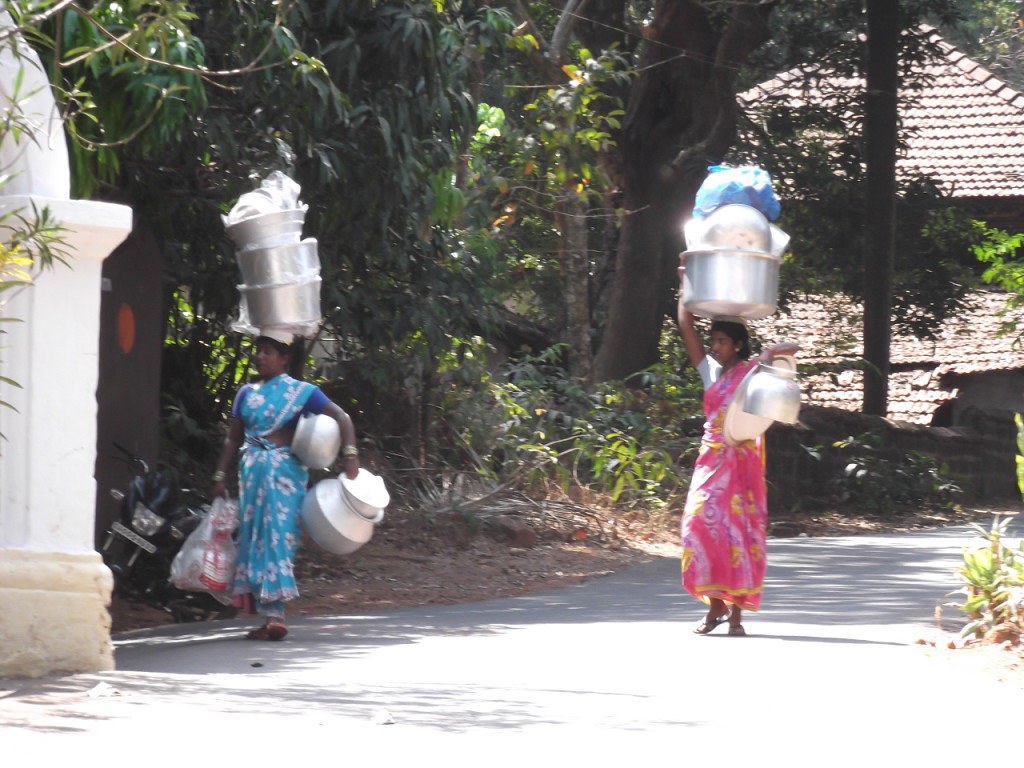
x,y
219,475
350,450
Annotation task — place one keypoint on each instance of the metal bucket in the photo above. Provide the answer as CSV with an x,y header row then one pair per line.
x,y
731,282
772,393
267,229
279,264
287,304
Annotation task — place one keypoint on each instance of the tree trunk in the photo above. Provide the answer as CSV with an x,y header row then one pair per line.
x,y
681,116
575,273
880,127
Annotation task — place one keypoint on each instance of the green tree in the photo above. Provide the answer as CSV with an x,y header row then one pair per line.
x,y
33,240
992,32
366,104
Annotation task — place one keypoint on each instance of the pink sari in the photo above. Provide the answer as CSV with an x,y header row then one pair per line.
x,y
723,527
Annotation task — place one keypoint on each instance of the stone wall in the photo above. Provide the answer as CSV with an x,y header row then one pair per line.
x,y
979,453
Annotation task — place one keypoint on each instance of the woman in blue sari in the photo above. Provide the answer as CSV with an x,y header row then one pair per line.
x,y
272,481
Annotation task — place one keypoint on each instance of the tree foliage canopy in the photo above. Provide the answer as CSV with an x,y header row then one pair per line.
x,y
438,142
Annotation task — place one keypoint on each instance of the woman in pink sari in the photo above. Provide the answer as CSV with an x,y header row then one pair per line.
x,y
723,526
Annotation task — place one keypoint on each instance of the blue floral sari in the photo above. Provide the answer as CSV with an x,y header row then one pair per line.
x,y
272,485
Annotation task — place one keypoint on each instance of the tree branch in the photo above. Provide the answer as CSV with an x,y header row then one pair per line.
x,y
563,29
205,74
35,20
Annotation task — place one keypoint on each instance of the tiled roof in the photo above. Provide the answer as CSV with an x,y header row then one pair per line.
x,y
830,335
964,128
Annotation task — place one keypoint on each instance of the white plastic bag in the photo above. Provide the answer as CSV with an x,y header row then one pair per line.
x,y
206,561
277,192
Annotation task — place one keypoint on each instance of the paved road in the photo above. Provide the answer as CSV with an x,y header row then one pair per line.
x,y
598,673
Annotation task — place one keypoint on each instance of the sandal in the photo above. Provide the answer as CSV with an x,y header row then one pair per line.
x,y
268,632
737,630
708,625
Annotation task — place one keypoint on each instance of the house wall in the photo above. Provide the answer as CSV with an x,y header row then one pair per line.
x,y
979,452
1001,391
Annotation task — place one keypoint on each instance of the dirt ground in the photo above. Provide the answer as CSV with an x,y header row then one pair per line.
x,y
410,562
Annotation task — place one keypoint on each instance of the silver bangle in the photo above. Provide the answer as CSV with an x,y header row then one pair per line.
x,y
219,475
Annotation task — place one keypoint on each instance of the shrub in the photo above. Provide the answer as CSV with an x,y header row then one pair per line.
x,y
993,576
621,440
884,478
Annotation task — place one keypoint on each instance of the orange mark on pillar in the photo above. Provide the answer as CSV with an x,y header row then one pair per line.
x,y
125,328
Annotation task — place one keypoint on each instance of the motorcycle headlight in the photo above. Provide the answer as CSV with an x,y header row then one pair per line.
x,y
145,520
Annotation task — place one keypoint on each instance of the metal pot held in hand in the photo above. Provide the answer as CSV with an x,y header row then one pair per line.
x,y
332,523
772,393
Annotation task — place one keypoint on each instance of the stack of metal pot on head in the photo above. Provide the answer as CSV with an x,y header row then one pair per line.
x,y
732,259
280,271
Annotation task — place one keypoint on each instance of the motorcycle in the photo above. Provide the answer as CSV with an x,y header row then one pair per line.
x,y
156,516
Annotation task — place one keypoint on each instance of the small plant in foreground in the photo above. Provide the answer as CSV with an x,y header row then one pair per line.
x,y
993,576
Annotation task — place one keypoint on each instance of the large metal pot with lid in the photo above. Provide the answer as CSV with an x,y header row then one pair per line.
x,y
340,514
730,282
332,523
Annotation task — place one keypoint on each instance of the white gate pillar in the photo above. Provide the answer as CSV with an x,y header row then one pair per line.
x,y
54,588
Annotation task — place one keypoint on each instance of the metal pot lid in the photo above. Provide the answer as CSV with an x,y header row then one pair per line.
x,y
367,488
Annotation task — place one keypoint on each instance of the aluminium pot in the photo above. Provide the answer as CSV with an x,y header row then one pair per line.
x,y
332,523
267,229
271,306
738,425
280,263
731,282
772,393
735,227
739,227
316,441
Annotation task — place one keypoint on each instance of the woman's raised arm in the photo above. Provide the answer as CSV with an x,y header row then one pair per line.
x,y
694,345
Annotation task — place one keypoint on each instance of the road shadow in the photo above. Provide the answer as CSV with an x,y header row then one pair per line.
x,y
818,591
824,582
